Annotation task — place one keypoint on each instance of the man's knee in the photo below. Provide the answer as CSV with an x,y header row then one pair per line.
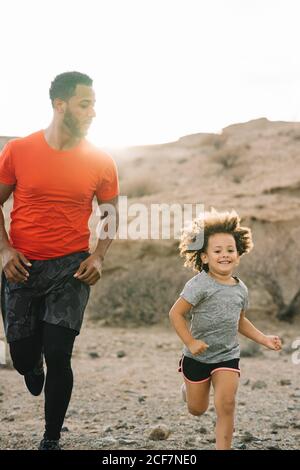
x,y
25,353
57,358
22,365
22,361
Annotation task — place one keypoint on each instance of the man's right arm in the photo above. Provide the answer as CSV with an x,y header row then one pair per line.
x,y
5,192
12,260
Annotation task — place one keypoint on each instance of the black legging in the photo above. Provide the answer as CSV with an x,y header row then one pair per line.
x,y
57,345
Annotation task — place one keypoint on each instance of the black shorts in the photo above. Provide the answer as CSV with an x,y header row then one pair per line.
x,y
195,371
51,294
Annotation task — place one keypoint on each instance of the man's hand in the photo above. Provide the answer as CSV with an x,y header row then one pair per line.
x,y
90,270
272,342
13,265
197,347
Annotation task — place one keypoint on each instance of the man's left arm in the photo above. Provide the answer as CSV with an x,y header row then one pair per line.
x,y
90,269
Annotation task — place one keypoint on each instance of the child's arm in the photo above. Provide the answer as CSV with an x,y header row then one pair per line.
x,y
177,318
247,329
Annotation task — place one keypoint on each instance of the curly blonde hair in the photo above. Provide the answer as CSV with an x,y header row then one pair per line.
x,y
202,228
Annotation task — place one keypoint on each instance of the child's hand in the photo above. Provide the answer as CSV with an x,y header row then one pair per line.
x,y
273,342
197,346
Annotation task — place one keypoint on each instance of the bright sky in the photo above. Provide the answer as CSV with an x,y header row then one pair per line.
x,y
161,68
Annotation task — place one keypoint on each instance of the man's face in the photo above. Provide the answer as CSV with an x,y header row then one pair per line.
x,y
79,111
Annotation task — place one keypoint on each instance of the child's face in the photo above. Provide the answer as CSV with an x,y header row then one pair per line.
x,y
221,254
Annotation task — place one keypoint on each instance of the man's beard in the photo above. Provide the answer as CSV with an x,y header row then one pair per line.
x,y
72,125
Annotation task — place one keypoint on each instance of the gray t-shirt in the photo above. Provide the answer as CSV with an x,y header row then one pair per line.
x,y
215,316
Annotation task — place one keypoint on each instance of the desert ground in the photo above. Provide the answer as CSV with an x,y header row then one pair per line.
x,y
127,395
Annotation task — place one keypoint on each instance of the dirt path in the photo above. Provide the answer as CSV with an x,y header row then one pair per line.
x,y
126,383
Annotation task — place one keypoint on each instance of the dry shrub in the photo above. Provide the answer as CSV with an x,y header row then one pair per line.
x,y
292,133
157,249
214,140
139,186
270,268
227,157
143,295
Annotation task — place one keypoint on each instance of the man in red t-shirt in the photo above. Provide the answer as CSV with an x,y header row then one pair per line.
x,y
48,269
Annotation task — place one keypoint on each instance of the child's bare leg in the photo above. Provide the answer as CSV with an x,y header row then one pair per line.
x,y
225,385
197,396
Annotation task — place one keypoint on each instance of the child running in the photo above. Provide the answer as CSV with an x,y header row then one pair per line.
x,y
218,302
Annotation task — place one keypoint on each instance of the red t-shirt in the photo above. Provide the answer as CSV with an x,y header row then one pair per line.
x,y
53,194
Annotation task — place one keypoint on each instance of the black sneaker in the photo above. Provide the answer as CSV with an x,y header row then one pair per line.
x,y
47,444
35,379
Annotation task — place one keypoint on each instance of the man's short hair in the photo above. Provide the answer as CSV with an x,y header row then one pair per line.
x,y
64,84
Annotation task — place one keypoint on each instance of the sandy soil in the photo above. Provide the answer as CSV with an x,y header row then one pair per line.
x,y
126,383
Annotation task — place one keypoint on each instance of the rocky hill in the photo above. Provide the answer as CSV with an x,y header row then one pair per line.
x,y
253,168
